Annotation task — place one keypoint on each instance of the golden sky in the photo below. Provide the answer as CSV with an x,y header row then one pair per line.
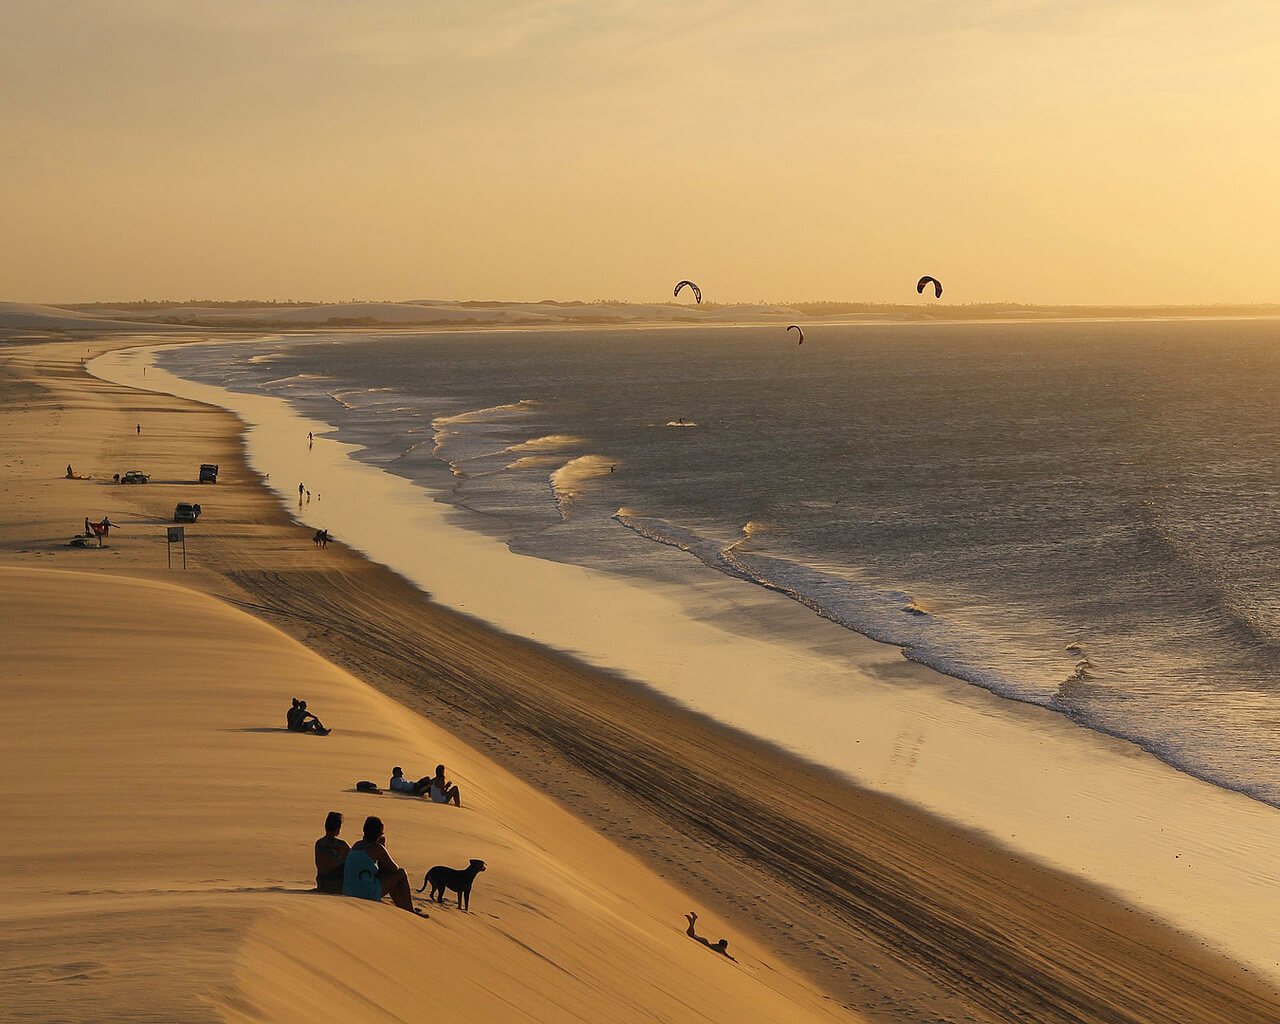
x,y
1023,150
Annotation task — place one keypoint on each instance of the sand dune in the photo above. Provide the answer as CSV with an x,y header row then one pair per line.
x,y
153,788
30,316
424,312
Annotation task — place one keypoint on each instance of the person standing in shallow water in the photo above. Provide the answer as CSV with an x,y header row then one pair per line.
x,y
300,490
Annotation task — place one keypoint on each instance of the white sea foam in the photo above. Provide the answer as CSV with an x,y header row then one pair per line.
x,y
476,415
568,481
551,442
881,613
533,462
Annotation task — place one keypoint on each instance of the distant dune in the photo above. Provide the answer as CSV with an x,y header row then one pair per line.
x,y
433,313
29,316
440,313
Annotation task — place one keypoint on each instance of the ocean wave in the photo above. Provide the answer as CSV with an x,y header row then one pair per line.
x,y
455,444
474,415
708,550
550,442
293,380
567,481
533,462
884,614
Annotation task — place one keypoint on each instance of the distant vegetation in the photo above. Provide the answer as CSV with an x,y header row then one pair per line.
x,y
618,312
152,305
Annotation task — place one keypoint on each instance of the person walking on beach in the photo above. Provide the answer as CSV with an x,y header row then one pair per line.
x,y
300,490
721,947
139,429
331,855
311,440
369,873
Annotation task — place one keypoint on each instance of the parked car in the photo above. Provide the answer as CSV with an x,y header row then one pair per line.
x,y
186,512
135,477
208,473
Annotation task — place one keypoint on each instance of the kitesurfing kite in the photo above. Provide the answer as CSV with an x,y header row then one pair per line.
x,y
797,327
697,292
937,286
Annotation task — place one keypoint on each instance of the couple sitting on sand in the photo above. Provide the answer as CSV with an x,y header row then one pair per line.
x,y
366,870
299,719
440,789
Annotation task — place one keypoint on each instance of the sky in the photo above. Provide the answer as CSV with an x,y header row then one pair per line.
x,y
1020,150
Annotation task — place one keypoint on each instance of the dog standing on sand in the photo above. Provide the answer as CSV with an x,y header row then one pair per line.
x,y
441,878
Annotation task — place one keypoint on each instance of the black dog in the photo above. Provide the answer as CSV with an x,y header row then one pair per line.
x,y
441,878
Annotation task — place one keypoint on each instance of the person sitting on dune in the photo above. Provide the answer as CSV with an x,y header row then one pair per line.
x,y
442,790
721,947
402,785
299,719
369,873
331,855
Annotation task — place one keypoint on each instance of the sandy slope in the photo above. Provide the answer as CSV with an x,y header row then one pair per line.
x,y
160,820
31,316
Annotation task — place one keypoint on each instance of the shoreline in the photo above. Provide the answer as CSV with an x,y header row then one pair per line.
x,y
862,890
883,723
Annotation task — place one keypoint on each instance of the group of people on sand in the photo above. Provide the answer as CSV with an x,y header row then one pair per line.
x,y
365,871
299,719
437,787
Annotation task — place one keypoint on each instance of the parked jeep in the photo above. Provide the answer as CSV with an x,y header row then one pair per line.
x,y
208,473
186,512
135,477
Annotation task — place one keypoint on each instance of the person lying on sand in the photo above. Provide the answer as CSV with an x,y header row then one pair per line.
x,y
402,785
299,719
721,947
331,855
369,872
442,790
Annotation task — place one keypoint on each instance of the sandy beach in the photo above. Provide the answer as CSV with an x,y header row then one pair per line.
x,y
150,760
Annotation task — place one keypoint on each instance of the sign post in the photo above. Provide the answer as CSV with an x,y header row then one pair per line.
x,y
177,535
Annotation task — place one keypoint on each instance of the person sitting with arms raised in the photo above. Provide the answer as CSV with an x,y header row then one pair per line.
x,y
369,872
331,855
443,791
400,784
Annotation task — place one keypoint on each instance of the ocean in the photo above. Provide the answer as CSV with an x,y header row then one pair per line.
x,y
1076,515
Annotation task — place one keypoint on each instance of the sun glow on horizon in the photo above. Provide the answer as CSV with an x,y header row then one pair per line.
x,y
1034,151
